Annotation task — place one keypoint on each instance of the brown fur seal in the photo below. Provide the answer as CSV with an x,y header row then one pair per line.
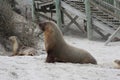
x,y
58,50
20,49
117,64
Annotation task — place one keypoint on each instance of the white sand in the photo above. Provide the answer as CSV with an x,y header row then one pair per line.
x,y
35,68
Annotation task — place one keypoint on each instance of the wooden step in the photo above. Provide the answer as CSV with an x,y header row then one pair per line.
x,y
102,15
77,7
94,9
80,3
104,21
116,23
106,17
112,20
104,27
97,12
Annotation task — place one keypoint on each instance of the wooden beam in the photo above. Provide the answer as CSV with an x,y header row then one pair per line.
x,y
73,20
47,11
89,20
33,11
73,10
62,17
38,4
68,25
58,13
44,16
100,33
112,36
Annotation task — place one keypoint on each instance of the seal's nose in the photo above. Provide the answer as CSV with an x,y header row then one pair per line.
x,y
42,26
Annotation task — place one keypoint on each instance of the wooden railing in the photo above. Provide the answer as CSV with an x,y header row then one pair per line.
x,y
110,6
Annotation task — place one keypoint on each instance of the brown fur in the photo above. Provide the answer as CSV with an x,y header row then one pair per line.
x,y
20,49
117,64
58,50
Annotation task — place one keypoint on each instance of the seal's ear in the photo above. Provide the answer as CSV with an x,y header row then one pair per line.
x,y
42,26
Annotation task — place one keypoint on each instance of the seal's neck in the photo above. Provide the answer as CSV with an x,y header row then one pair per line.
x,y
15,46
53,38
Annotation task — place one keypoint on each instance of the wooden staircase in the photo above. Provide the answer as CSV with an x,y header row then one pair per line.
x,y
102,21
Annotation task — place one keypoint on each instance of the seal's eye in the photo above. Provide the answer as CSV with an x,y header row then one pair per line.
x,y
42,26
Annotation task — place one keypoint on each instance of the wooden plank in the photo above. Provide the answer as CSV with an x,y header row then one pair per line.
x,y
73,20
38,4
112,36
33,11
109,5
99,32
89,20
58,13
104,9
62,17
82,15
70,23
73,10
102,26
41,0
42,15
104,21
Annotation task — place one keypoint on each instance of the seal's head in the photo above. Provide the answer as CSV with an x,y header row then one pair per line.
x,y
48,25
117,61
117,64
12,38
42,25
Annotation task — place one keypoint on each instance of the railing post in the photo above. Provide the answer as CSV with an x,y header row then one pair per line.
x,y
89,20
58,13
33,11
116,4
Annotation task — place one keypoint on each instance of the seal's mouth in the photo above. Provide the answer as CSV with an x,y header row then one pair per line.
x,y
42,26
